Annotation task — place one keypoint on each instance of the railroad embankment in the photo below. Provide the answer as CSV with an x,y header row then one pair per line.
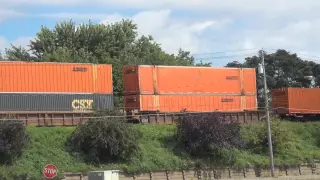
x,y
294,143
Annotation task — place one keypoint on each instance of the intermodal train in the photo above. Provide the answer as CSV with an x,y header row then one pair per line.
x,y
51,93
297,103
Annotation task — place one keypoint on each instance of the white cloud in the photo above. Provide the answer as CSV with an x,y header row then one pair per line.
x,y
172,33
74,16
3,43
9,13
248,44
112,18
20,41
270,7
269,24
295,35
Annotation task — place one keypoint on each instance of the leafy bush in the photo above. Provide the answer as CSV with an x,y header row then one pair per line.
x,y
17,176
13,138
105,140
208,135
284,139
315,133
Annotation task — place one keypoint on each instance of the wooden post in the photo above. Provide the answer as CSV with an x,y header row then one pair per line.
x,y
167,174
183,175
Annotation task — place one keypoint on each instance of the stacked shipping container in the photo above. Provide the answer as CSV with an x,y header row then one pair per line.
x,y
33,86
178,88
299,101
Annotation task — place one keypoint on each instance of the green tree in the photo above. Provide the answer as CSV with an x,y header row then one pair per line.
x,y
315,72
204,64
105,140
18,54
117,44
208,136
13,139
284,140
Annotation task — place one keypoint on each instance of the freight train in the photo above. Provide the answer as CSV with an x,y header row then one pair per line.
x,y
47,93
297,103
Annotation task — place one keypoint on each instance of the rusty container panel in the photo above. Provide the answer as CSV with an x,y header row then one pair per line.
x,y
131,102
188,80
138,79
193,103
141,102
55,77
280,100
297,100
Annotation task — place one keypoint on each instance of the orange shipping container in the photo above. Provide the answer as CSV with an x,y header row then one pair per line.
x,y
146,79
55,77
177,103
296,100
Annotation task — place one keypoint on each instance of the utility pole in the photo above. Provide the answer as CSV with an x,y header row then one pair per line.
x,y
267,113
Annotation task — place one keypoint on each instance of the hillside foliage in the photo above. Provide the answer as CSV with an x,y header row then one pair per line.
x,y
160,149
104,140
283,139
208,135
13,139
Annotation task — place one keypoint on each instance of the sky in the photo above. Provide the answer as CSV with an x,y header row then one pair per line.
x,y
217,31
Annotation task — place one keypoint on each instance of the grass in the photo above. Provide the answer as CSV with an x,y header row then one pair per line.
x,y
47,146
158,151
308,135
299,143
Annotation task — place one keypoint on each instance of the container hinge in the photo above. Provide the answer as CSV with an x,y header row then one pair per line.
x,y
243,93
155,80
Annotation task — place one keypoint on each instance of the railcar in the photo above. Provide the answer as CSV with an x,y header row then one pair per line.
x,y
302,104
67,94
179,89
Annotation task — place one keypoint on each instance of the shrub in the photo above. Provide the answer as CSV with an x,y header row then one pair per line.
x,y
283,139
207,135
105,140
13,138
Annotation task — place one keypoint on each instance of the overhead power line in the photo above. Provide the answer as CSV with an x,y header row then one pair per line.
x,y
299,54
221,57
210,56
219,52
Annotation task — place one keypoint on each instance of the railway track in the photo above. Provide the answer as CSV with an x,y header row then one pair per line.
x,y
43,119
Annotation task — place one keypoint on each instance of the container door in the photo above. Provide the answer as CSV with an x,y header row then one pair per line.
x,y
249,82
132,102
280,101
130,75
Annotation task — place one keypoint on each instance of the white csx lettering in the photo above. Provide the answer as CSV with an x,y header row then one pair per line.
x,y
81,104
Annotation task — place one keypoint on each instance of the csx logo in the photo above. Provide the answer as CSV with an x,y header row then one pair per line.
x,y
82,104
